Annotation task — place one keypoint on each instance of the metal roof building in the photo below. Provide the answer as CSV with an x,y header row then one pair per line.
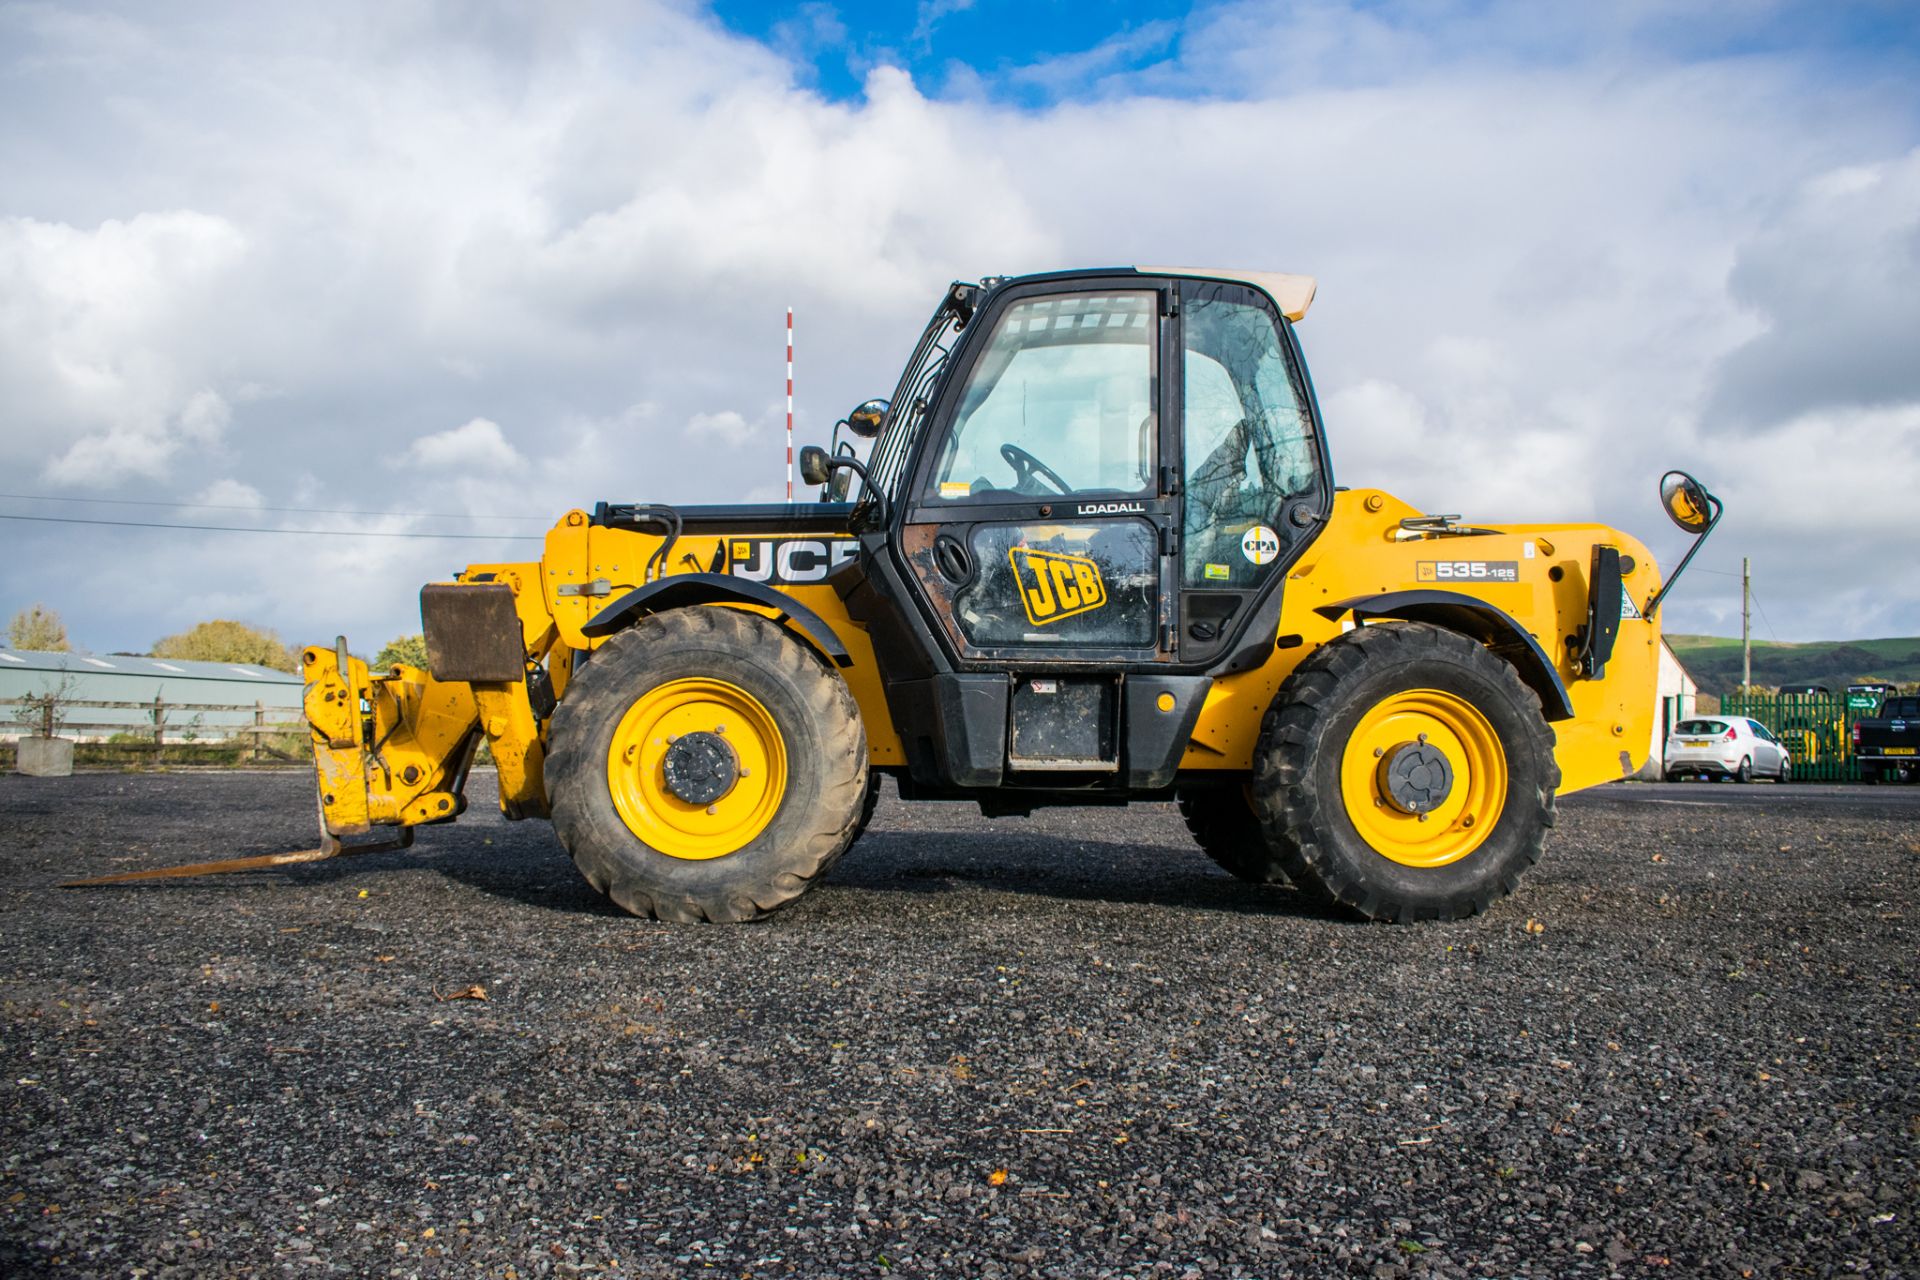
x,y
181,690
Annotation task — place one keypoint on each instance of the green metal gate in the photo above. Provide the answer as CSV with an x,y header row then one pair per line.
x,y
1816,727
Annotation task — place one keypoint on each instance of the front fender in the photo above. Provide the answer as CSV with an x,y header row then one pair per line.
x,y
684,589
1490,625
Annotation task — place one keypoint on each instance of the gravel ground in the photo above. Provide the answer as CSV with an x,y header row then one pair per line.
x,y
1063,1046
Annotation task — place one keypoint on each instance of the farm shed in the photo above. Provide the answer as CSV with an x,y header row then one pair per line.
x,y
1676,699
179,690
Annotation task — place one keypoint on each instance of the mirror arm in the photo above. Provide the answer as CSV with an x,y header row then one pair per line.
x,y
1699,541
866,482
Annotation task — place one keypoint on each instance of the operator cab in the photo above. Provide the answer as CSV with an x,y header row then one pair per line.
x,y
1081,504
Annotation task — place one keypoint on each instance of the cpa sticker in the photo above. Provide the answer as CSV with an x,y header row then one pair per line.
x,y
1260,545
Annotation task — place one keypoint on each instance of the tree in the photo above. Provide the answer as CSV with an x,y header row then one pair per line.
x,y
223,640
39,628
411,650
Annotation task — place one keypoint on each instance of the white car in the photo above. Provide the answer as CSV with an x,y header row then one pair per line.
x,y
1726,747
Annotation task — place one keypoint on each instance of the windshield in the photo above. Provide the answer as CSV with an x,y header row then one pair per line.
x,y
1700,727
1901,709
914,396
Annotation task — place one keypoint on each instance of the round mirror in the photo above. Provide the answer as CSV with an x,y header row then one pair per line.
x,y
865,420
1688,503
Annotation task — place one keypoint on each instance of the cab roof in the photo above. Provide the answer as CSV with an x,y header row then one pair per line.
x,y
1292,294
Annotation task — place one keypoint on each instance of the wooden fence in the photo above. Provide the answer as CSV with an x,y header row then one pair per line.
x,y
50,716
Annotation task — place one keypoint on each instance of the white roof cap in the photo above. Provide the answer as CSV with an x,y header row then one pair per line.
x,y
1292,294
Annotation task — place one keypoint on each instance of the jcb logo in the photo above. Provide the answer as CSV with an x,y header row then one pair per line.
x,y
788,562
1053,586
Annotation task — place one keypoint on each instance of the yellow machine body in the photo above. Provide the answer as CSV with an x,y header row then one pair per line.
x,y
392,746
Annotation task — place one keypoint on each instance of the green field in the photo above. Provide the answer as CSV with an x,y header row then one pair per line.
x,y
1715,662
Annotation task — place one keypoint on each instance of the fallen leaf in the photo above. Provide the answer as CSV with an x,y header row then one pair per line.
x,y
384,959
1534,926
363,893
1659,857
998,1178
474,992
213,1006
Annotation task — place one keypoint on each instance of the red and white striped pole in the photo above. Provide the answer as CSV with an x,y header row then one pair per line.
x,y
789,404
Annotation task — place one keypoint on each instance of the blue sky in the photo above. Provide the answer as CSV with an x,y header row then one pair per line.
x,y
994,46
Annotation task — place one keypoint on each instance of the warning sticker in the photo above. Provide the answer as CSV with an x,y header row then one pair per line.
x,y
955,489
1219,572
1260,545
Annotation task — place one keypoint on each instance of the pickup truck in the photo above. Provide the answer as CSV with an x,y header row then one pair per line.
x,y
1887,746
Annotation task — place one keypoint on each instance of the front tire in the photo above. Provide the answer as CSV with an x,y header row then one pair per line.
x,y
764,793
1346,764
1745,775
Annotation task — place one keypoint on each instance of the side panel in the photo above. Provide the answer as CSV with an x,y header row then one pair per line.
x,y
1535,574
587,566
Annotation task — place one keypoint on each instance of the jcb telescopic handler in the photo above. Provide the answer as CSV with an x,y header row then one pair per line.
x,y
1095,554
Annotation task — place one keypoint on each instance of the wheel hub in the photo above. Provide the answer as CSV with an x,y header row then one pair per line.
x,y
1416,777
700,767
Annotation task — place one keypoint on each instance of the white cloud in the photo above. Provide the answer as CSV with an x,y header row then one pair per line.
x,y
726,427
106,337
476,445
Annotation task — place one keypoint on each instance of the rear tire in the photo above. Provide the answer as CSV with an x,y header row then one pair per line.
x,y
869,802
1223,822
1315,763
776,830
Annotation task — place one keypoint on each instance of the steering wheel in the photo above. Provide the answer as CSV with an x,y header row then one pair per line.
x,y
1026,467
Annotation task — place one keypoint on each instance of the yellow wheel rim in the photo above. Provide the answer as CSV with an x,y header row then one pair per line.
x,y
1467,813
636,768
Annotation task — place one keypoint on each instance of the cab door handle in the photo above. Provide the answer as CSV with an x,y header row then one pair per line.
x,y
952,558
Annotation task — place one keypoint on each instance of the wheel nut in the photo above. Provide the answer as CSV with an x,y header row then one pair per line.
x,y
719,728
744,771
713,808
1423,817
1378,752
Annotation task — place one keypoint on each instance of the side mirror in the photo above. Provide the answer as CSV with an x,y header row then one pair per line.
x,y
865,420
813,464
1688,503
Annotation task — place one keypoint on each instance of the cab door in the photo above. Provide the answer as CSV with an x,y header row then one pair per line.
x,y
1039,527
1038,522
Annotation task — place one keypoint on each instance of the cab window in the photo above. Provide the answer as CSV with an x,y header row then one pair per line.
x,y
1248,438
1061,402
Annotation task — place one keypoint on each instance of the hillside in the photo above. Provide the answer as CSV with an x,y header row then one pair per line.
x,y
1715,661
